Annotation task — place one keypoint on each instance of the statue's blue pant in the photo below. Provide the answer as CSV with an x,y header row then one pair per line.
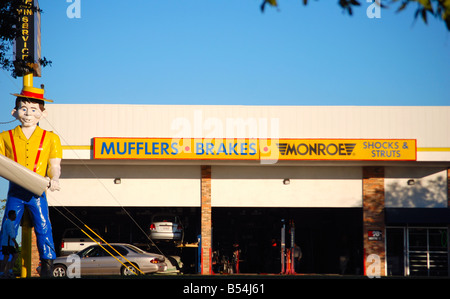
x,y
18,199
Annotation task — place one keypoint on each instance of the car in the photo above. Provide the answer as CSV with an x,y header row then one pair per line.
x,y
74,240
94,260
166,227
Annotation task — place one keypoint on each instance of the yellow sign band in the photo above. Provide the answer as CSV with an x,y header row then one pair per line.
x,y
255,149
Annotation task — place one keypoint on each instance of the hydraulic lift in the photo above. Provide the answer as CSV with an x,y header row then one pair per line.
x,y
287,254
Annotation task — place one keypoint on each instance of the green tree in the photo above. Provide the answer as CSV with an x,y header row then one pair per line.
x,y
9,30
2,205
439,9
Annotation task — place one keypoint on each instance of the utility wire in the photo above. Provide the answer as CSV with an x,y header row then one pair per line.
x,y
93,173
110,193
98,243
7,122
15,84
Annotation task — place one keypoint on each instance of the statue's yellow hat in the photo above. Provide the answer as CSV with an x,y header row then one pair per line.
x,y
32,93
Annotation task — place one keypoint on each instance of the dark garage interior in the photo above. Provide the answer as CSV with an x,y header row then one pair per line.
x,y
324,234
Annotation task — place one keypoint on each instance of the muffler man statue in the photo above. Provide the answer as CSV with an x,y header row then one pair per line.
x,y
39,151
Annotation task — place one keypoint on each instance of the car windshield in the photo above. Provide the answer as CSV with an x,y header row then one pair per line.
x,y
87,251
105,251
135,249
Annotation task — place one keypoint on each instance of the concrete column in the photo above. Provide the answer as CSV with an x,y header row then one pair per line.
x,y
206,221
30,261
374,219
448,226
34,254
448,187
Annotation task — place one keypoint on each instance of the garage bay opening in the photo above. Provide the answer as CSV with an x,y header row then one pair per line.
x,y
330,240
244,240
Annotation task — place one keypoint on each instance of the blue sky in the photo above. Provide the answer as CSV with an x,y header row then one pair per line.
x,y
228,52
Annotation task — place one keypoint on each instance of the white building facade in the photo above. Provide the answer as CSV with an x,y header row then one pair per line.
x,y
387,166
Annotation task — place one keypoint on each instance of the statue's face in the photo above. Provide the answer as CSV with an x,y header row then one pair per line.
x,y
28,114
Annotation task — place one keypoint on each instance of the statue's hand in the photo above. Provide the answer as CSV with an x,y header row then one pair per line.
x,y
54,185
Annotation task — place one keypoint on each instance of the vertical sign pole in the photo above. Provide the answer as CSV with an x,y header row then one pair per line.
x,y
26,220
26,246
28,50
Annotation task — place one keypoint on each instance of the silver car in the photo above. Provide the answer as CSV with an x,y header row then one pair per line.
x,y
166,227
94,260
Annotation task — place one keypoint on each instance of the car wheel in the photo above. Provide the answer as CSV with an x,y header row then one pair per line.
x,y
129,269
59,271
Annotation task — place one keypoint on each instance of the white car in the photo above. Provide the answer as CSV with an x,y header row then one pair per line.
x,y
166,227
75,240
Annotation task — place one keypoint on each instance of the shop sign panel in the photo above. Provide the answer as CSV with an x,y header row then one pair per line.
x,y
374,235
255,149
341,149
171,148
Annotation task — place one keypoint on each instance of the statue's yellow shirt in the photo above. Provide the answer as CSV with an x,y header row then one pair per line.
x,y
33,153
